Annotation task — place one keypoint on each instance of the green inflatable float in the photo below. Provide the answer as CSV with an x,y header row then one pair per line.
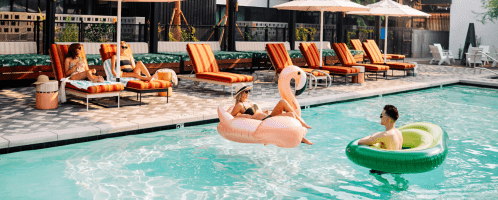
x,y
424,148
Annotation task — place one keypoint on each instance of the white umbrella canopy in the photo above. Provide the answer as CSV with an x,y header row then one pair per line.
x,y
322,6
118,33
389,8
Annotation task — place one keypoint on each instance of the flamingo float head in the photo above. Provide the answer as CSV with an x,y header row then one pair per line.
x,y
296,73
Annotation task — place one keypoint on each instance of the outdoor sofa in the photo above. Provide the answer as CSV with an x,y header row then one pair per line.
x,y
20,60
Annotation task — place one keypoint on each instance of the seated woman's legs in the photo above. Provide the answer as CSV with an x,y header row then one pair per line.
x,y
141,69
88,74
283,105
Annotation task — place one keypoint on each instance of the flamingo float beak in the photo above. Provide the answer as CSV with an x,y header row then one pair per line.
x,y
301,82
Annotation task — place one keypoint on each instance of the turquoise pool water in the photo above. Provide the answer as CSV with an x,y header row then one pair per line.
x,y
196,163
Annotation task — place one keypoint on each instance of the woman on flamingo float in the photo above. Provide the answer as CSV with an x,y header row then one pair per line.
x,y
244,109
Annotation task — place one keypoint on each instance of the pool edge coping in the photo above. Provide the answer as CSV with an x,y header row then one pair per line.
x,y
46,139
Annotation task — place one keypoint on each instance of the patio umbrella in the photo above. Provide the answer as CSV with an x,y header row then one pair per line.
x,y
118,33
322,6
390,8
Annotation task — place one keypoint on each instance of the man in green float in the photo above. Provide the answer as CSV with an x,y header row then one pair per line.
x,y
391,139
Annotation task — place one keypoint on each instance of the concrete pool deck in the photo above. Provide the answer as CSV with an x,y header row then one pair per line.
x,y
23,127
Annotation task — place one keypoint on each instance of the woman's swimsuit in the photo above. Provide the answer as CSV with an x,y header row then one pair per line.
x,y
125,62
78,70
252,111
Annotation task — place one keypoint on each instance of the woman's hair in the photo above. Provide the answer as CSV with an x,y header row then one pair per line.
x,y
238,98
71,52
392,112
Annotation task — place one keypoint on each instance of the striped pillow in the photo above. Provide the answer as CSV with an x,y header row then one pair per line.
x,y
278,55
373,55
202,58
343,54
311,54
109,50
357,45
58,56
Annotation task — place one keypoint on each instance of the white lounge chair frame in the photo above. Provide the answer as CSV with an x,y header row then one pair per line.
x,y
485,50
474,56
92,96
438,55
447,53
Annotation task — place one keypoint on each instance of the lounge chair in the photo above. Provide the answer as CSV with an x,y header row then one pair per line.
x,y
439,56
206,69
98,90
356,43
107,51
376,58
312,56
485,49
389,56
474,56
347,60
280,59
446,53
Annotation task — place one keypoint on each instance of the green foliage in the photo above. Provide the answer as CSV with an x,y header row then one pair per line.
x,y
185,35
67,34
302,34
491,14
360,19
362,35
100,32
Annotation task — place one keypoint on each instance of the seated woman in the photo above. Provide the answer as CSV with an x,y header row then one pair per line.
x,y
128,67
245,109
76,68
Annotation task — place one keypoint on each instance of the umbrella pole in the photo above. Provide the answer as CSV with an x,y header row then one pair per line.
x,y
321,37
385,41
118,45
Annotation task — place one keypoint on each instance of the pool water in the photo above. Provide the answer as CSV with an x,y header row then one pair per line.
x,y
197,163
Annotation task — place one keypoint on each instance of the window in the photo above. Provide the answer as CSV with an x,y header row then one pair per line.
x,y
2,23
6,30
16,16
17,30
29,29
5,16
29,16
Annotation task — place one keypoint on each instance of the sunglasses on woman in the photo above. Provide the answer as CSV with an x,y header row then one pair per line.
x,y
124,47
79,48
247,91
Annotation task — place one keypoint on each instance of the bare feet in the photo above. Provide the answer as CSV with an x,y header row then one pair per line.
x,y
100,79
306,126
306,141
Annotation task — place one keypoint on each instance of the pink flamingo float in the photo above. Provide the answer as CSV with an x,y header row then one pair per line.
x,y
281,131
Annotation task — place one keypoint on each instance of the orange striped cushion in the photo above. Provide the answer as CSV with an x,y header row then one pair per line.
x,y
342,70
373,54
315,73
311,54
58,56
109,50
357,45
396,65
343,53
225,77
278,55
396,56
99,88
202,58
143,85
374,67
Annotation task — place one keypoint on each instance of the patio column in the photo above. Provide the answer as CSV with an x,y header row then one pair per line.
x,y
377,29
339,29
232,19
49,27
154,19
292,29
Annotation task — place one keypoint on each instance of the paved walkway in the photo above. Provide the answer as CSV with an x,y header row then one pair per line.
x,y
22,124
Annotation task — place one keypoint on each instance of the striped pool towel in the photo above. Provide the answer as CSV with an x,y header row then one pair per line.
x,y
111,77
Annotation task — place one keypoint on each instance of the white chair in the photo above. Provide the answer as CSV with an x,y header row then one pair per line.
x,y
474,56
447,53
485,49
438,55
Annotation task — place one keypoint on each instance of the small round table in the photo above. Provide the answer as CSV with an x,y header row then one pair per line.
x,y
47,95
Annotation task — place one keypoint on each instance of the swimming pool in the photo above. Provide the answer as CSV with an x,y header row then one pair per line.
x,y
196,163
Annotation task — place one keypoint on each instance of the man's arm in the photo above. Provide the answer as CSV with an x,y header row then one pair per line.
x,y
372,139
